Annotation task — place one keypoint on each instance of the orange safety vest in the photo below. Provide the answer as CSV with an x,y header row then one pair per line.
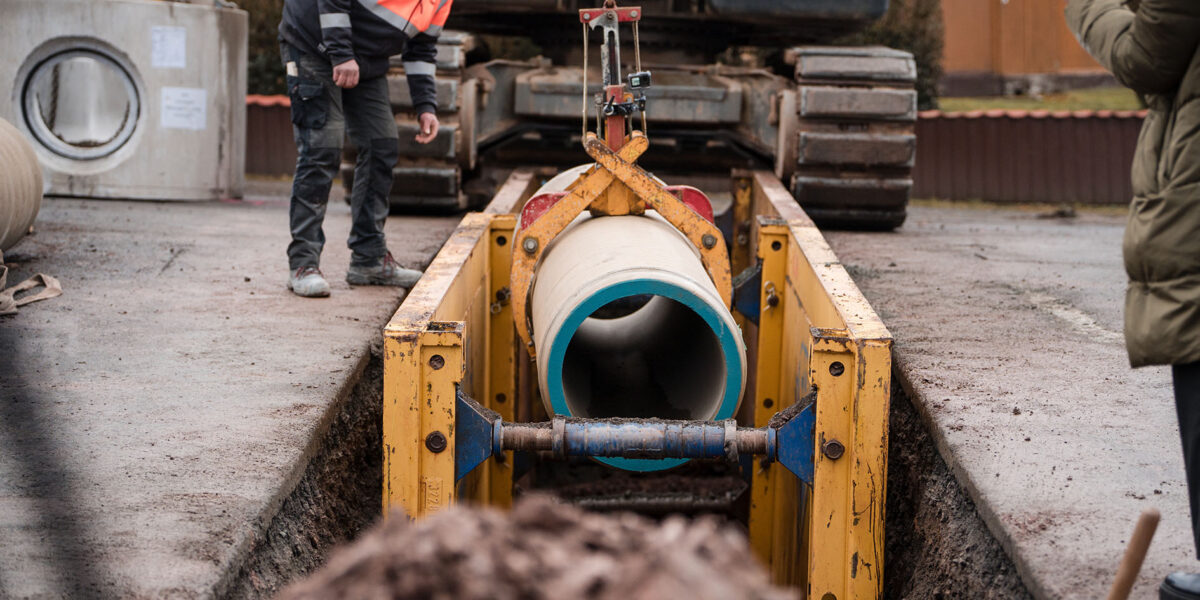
x,y
412,16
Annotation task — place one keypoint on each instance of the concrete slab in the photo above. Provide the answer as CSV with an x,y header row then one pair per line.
x,y
153,418
1008,336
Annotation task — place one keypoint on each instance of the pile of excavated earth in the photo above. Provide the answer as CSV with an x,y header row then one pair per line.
x,y
543,549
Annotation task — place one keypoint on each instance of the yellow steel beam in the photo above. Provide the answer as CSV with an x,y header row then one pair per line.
x,y
743,206
768,396
501,384
420,373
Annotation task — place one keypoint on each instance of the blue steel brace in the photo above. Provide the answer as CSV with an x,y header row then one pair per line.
x,y
481,434
475,428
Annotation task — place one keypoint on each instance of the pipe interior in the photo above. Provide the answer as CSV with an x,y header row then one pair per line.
x,y
644,357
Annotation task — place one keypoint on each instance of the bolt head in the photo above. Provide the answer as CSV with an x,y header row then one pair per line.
x,y
436,442
633,13
709,240
833,449
530,245
587,17
836,369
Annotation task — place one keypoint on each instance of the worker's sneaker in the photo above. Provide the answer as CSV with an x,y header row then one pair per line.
x,y
386,273
308,282
1180,586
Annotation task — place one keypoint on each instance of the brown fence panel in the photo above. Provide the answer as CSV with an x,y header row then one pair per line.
x,y
270,148
1000,156
1026,156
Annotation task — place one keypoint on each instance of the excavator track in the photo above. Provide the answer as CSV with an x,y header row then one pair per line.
x,y
839,129
847,139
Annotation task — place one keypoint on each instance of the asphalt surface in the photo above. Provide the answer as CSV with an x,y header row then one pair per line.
x,y
1009,339
153,418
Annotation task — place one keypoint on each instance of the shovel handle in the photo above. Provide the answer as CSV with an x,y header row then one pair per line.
x,y
1135,553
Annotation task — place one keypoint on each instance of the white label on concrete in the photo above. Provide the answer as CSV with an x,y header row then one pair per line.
x,y
184,108
168,47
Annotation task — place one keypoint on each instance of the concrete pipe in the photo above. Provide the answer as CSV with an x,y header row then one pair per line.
x,y
20,186
627,323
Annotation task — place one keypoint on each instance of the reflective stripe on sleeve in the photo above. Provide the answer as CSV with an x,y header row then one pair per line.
x,y
419,68
329,20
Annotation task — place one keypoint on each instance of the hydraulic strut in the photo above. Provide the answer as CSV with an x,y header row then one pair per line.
x,y
481,433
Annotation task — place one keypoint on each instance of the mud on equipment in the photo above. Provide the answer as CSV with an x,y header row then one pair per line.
x,y
627,323
20,186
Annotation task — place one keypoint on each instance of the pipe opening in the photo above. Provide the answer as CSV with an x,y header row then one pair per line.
x,y
644,356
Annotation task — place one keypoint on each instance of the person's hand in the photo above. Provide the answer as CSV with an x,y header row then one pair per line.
x,y
429,127
345,75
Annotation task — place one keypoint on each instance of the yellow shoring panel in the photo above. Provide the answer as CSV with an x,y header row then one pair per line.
x,y
446,315
843,552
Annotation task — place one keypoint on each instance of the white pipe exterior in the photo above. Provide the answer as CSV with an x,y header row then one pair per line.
x,y
679,356
20,186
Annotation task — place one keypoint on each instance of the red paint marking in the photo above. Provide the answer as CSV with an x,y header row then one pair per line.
x,y
538,205
627,14
693,199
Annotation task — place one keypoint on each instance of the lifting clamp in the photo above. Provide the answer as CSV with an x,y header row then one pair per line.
x,y
615,185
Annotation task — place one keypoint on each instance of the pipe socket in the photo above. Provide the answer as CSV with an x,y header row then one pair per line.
x,y
627,323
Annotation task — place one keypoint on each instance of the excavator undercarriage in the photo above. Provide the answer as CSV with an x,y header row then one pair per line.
x,y
835,123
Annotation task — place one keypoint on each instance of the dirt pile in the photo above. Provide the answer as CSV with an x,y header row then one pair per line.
x,y
543,549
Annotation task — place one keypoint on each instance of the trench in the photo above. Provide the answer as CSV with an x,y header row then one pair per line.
x,y
937,547
338,496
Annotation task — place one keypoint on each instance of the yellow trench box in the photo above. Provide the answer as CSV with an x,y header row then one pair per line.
x,y
455,330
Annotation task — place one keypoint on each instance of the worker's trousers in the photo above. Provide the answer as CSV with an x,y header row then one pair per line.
x,y
322,115
1187,403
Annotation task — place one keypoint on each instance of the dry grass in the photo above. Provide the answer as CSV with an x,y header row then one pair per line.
x,y
1106,98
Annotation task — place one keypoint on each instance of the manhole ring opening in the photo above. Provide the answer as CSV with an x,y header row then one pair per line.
x,y
81,103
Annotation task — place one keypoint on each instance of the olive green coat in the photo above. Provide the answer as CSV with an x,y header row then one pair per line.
x,y
1154,52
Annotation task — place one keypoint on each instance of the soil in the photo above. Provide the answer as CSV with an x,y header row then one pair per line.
x,y
936,545
543,549
336,499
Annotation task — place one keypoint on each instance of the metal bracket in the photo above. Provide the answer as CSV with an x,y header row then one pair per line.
x,y
747,292
474,427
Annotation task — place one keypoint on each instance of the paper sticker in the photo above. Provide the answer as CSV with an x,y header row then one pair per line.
x,y
184,108
168,47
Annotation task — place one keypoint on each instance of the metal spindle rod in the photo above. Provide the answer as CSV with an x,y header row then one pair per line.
x,y
628,438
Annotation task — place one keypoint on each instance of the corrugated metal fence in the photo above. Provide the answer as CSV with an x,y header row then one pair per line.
x,y
1026,156
1001,156
270,149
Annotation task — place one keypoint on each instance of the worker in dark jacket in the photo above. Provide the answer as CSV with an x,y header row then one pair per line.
x,y
1151,46
336,53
